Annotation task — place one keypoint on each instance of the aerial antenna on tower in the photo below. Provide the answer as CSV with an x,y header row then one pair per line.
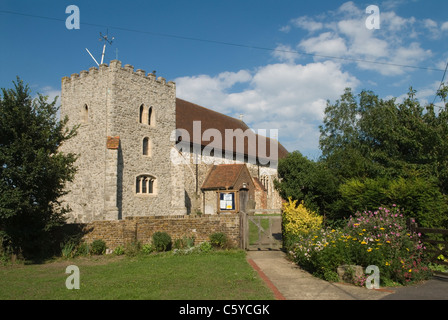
x,y
106,40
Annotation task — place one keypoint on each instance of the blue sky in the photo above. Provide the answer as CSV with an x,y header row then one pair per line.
x,y
275,62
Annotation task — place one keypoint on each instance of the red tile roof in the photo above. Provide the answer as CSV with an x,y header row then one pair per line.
x,y
187,113
223,176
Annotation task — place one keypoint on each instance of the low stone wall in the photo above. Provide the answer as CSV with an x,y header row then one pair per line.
x,y
120,232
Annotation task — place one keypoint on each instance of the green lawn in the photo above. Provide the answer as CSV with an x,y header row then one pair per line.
x,y
218,275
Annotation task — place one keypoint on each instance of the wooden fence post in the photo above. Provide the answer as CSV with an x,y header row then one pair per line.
x,y
243,230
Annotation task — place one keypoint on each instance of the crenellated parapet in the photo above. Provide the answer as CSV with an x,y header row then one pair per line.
x,y
116,66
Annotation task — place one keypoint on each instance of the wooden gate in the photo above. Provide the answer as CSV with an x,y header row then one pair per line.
x,y
261,231
436,241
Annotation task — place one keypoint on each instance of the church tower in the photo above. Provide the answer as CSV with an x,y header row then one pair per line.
x,y
126,121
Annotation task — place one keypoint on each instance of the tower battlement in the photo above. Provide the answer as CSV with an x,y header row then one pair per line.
x,y
116,66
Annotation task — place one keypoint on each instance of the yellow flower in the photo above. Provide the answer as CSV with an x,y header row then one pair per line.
x,y
363,242
387,263
363,230
370,249
381,228
410,270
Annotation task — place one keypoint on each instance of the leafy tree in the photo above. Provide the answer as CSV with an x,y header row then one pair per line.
x,y
32,170
383,151
308,181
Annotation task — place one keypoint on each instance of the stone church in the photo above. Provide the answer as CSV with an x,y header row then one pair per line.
x,y
144,152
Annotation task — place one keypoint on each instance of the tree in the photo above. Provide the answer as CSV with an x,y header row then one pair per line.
x,y
375,146
33,171
308,181
370,137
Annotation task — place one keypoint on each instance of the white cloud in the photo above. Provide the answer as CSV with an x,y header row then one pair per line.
x,y
288,97
325,44
307,24
343,34
444,26
284,53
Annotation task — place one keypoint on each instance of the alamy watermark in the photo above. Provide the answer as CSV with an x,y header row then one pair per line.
x,y
72,281
373,21
373,280
73,20
210,146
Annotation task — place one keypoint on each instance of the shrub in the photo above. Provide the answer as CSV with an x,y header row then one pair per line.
x,y
98,247
205,247
83,249
218,239
68,250
299,220
183,243
147,248
161,241
370,238
132,248
119,251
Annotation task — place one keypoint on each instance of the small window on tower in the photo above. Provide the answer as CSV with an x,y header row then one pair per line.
x,y
146,147
142,109
150,114
85,114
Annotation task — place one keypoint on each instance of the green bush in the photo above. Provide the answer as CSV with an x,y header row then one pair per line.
x,y
83,249
185,242
370,238
218,240
419,197
147,248
119,251
161,241
68,250
132,248
98,247
205,247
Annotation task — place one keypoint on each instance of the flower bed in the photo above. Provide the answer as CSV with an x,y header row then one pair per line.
x,y
370,238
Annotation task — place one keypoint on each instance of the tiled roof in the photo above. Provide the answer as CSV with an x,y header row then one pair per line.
x,y
187,113
223,176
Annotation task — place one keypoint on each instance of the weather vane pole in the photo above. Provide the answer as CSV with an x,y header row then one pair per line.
x,y
106,41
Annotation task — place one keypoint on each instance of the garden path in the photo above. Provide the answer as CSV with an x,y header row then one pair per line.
x,y
289,282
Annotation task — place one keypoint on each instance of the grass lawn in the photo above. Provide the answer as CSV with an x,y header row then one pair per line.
x,y
217,275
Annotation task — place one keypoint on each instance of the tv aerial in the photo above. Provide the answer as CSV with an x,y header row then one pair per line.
x,y
106,40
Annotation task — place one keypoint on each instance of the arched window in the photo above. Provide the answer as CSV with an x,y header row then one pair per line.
x,y
142,109
150,114
146,147
145,184
85,114
146,115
